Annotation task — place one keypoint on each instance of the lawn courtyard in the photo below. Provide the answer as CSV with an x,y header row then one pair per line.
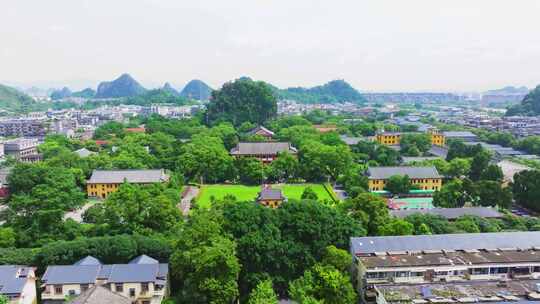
x,y
248,193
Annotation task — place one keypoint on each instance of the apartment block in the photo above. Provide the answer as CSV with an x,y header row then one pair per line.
x,y
448,268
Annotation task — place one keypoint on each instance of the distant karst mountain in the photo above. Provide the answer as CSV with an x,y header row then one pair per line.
x,y
123,86
335,91
169,88
16,101
61,94
509,90
86,93
197,89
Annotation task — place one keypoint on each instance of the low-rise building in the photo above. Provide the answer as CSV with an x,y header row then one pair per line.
x,y
423,178
100,295
18,284
104,182
272,198
394,138
447,268
143,280
264,151
23,127
21,148
4,185
462,135
451,214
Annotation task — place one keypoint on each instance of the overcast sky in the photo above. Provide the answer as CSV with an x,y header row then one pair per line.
x,y
376,45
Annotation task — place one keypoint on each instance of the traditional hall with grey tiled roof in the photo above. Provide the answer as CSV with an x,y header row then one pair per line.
x,y
104,182
264,151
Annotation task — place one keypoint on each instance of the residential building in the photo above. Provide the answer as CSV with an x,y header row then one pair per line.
x,y
447,268
143,280
261,131
100,295
23,127
272,198
21,148
104,182
424,178
462,135
18,284
451,214
264,151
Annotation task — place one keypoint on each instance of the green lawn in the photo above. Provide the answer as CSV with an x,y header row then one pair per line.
x,y
246,193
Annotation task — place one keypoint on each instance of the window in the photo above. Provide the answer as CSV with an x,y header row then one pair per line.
x,y
132,292
119,287
402,274
536,269
144,286
479,271
71,292
417,274
58,289
84,287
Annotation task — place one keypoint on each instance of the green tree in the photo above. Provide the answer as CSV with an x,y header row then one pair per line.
x,y
492,173
285,167
3,300
263,294
398,184
138,209
309,194
318,161
451,195
526,189
204,262
492,193
396,227
339,258
323,283
415,144
205,159
242,101
479,164
251,171
7,237
369,209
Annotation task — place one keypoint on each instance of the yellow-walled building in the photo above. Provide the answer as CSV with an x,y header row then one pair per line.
x,y
394,138
389,138
425,178
272,198
104,182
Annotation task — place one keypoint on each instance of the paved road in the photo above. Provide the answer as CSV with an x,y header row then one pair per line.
x,y
76,215
185,204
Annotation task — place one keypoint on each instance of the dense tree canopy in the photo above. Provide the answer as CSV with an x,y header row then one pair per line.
x,y
242,101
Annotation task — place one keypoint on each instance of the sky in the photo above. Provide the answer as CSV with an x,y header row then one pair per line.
x,y
376,45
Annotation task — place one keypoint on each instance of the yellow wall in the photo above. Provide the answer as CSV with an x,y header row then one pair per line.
x,y
388,139
271,203
423,184
437,139
101,190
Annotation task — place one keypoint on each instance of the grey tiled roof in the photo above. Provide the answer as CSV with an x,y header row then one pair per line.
x,y
262,148
451,213
270,194
260,128
89,260
100,295
466,241
459,134
143,269
412,172
10,283
132,176
71,274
